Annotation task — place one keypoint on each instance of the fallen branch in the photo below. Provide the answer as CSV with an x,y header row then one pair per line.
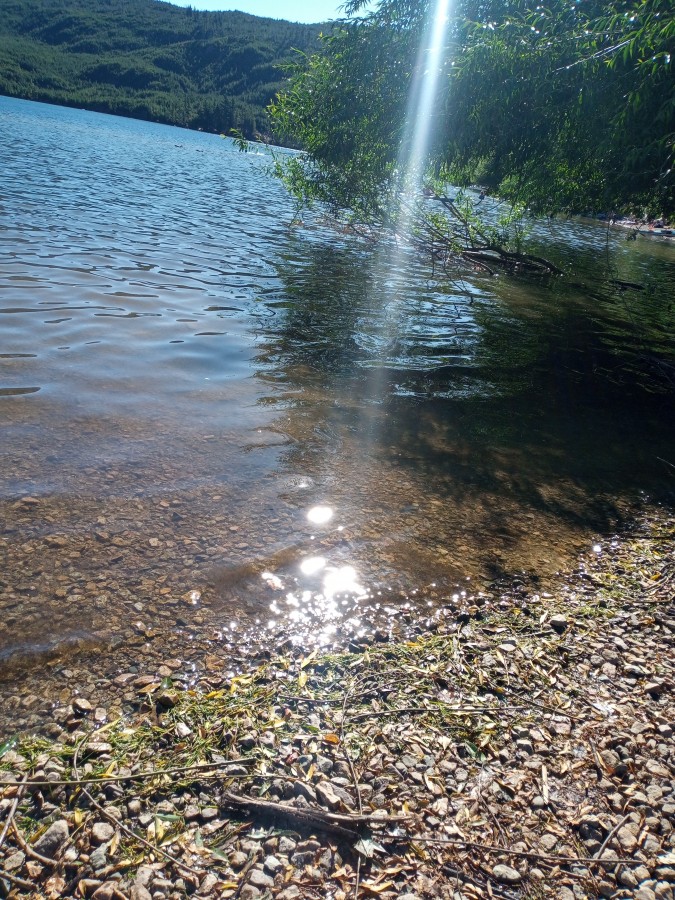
x,y
19,882
335,822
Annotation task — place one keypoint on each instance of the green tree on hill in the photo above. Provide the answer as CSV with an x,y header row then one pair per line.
x,y
148,59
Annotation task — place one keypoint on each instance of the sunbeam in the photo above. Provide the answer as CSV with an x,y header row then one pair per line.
x,y
421,102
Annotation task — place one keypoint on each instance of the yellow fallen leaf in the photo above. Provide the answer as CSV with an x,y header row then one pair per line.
x,y
376,888
308,659
331,738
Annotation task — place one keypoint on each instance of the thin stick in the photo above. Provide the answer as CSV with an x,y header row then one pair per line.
x,y
243,876
461,711
527,855
348,757
319,816
14,879
612,833
105,779
12,812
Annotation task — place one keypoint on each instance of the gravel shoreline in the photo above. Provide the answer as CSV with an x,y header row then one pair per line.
x,y
521,748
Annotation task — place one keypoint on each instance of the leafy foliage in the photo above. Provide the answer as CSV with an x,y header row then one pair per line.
x,y
148,59
565,107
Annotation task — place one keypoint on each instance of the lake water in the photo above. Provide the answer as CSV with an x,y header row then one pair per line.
x,y
217,426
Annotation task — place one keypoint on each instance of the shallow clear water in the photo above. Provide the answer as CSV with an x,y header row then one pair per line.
x,y
183,376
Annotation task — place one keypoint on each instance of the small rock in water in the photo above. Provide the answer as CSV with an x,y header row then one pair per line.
x,y
81,706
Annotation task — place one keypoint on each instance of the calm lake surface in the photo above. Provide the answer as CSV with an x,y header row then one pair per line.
x,y
215,425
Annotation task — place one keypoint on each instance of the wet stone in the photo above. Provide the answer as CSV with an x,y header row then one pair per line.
x,y
81,706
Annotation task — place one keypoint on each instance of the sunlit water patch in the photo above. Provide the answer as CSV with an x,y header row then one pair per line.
x,y
220,433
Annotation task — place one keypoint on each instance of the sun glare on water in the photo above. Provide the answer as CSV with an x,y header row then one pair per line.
x,y
322,594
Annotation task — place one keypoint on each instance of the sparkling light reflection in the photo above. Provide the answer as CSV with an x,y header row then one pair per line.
x,y
312,565
320,515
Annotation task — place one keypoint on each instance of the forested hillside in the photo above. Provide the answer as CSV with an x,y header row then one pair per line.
x,y
148,59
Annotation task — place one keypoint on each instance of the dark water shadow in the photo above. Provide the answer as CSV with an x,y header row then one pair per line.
x,y
512,404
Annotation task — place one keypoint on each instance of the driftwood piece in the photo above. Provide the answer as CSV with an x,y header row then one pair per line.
x,y
347,825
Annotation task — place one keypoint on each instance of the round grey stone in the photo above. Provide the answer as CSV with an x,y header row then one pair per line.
x,y
102,832
506,875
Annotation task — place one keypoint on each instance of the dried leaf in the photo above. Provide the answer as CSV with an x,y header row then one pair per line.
x,y
55,885
114,843
368,847
374,888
